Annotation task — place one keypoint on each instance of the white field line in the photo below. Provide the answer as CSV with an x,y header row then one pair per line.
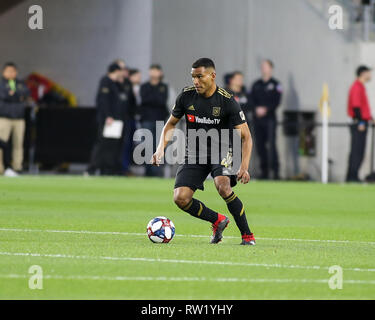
x,y
181,279
179,235
159,260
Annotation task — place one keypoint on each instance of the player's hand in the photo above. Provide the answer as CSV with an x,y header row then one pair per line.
x,y
243,176
156,157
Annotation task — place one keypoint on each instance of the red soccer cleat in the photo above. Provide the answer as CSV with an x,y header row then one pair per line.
x,y
218,228
248,240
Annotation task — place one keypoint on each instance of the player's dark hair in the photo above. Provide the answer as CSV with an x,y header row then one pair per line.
x,y
203,62
156,66
10,64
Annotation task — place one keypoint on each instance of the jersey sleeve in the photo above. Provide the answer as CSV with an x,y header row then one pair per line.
x,y
236,115
178,109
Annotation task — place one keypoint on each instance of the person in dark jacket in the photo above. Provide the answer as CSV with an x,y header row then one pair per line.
x,y
106,153
154,97
13,101
265,97
129,106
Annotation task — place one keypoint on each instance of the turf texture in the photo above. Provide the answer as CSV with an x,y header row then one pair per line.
x,y
88,236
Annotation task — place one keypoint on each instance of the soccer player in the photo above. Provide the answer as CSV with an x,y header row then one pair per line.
x,y
207,106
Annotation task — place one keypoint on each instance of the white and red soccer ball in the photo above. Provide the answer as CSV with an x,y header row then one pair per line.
x,y
160,230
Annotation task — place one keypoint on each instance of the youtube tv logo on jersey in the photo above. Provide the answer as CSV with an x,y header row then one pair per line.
x,y
190,118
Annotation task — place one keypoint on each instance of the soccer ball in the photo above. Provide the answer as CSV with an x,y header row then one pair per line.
x,y
160,230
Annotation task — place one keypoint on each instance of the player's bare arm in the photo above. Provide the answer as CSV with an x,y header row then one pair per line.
x,y
165,137
247,145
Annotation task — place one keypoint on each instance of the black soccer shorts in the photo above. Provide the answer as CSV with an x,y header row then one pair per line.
x,y
194,175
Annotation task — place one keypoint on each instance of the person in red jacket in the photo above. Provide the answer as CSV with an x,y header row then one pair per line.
x,y
359,110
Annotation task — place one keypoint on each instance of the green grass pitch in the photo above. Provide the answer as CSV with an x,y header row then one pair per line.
x,y
88,236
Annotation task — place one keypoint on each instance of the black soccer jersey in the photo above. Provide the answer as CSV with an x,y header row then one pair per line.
x,y
218,112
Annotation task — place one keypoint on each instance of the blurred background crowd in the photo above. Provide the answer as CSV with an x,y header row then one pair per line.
x,y
121,95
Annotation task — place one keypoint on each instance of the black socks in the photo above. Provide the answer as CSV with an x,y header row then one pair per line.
x,y
237,210
199,210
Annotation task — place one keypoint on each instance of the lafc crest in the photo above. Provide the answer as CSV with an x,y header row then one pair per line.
x,y
216,111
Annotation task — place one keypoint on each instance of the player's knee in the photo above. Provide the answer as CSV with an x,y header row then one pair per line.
x,y
224,190
181,202
181,199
